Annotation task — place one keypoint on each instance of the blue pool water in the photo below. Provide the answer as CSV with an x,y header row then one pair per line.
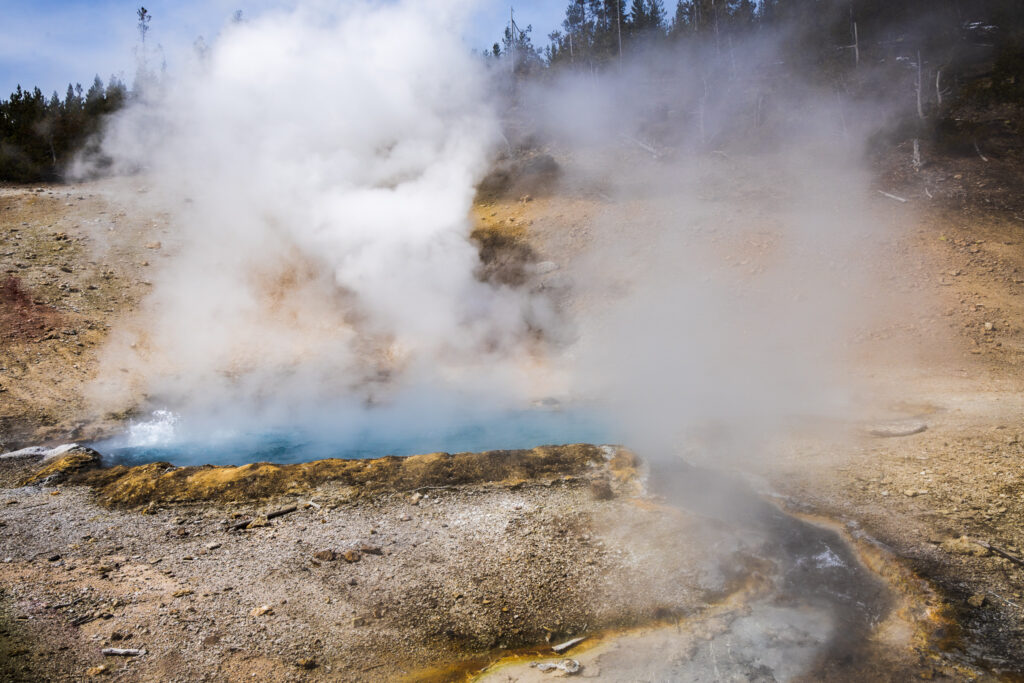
x,y
167,437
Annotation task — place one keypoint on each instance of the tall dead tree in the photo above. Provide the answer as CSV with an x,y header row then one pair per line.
x,y
856,46
512,39
919,87
144,18
618,26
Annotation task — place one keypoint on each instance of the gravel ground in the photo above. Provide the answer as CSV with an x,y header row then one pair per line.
x,y
439,580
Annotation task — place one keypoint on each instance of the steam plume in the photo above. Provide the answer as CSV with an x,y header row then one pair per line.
x,y
319,167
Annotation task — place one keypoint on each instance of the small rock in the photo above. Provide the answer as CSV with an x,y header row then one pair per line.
x,y
153,245
964,546
307,664
544,267
976,600
261,610
358,621
97,670
257,522
989,327
897,428
212,545
370,550
416,498
352,556
120,635
182,593
53,558
325,555
568,667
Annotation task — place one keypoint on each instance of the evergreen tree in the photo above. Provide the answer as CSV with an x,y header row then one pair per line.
x,y
519,46
656,15
38,136
681,20
94,98
638,18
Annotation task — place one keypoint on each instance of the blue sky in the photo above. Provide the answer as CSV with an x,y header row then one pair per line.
x,y
49,43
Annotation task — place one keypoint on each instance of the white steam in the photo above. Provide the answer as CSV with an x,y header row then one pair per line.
x,y
726,270
319,168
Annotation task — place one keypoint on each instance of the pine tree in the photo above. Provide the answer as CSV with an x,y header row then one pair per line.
x,y
655,15
681,23
94,98
638,18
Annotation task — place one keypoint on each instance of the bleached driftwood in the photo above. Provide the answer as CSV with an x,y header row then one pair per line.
x,y
568,645
892,196
122,652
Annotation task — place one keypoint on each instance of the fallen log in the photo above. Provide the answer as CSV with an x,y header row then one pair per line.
x,y
568,645
121,652
68,604
282,511
239,525
1000,552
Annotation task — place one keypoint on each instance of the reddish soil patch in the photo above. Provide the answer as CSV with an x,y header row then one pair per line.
x,y
20,316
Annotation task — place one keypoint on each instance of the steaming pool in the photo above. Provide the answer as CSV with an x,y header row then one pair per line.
x,y
812,607
181,440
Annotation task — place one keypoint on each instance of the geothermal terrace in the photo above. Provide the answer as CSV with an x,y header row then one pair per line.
x,y
341,352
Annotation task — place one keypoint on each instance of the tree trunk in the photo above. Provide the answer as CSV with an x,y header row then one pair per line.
x,y
920,105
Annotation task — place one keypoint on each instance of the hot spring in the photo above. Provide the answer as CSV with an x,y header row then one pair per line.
x,y
187,439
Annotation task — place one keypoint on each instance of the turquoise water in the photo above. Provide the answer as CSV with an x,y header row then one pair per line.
x,y
167,437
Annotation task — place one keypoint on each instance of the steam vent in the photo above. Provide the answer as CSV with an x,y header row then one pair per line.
x,y
451,341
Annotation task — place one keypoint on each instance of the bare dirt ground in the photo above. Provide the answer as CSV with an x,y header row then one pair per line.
x,y
348,586
447,577
73,262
